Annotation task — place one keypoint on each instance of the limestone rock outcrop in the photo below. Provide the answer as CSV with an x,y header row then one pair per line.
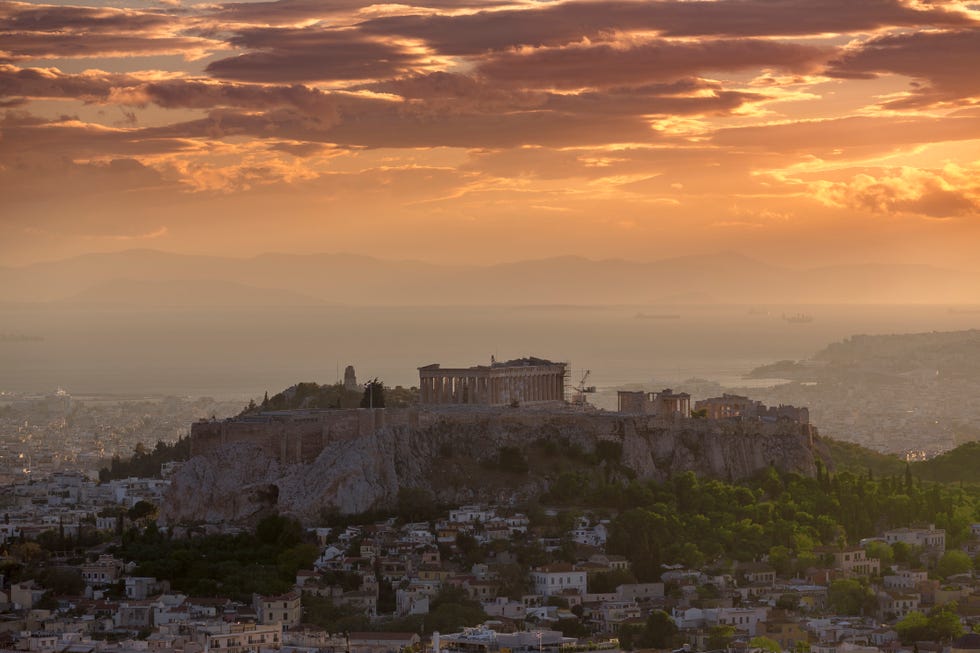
x,y
239,482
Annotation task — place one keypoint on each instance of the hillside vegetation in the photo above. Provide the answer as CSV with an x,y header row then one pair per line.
x,y
854,458
960,465
313,396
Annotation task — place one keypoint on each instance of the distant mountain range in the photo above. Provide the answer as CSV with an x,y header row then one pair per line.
x,y
154,278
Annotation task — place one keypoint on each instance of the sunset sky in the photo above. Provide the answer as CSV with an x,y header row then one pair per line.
x,y
799,132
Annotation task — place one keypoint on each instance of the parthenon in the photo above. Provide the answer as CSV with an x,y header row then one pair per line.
x,y
522,380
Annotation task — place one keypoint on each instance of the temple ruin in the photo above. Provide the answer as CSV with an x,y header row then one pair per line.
x,y
521,381
665,403
729,406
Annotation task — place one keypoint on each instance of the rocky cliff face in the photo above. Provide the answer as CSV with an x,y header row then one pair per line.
x,y
237,482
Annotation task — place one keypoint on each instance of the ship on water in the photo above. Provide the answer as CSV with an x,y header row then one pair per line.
x,y
19,337
657,316
798,318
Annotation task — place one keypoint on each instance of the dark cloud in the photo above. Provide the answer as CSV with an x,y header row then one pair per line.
x,y
394,125
939,202
440,110
606,65
630,101
52,83
15,16
298,149
460,93
279,124
311,54
557,24
196,94
455,93
98,86
56,31
841,137
394,128
28,136
66,45
689,160
284,12
32,178
945,64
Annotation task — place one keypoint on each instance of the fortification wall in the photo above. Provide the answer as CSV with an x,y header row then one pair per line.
x,y
300,436
294,436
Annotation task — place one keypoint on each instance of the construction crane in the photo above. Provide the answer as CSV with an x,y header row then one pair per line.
x,y
578,399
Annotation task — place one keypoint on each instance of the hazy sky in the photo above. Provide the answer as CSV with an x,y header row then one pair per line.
x,y
796,131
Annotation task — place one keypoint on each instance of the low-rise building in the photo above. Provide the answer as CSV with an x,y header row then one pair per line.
x,y
555,579
905,579
931,539
851,561
284,609
104,571
382,642
239,637
896,605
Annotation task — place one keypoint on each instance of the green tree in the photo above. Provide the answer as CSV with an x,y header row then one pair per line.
x,y
781,559
452,610
62,581
513,580
29,553
416,504
902,552
720,636
279,530
299,556
142,510
659,631
510,459
642,536
572,628
766,644
881,550
952,563
789,601
627,637
944,623
850,597
322,612
374,394
607,581
913,627
609,451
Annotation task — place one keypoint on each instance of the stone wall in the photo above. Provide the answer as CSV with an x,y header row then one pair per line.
x,y
293,436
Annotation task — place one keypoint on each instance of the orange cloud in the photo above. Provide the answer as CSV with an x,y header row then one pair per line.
x,y
937,194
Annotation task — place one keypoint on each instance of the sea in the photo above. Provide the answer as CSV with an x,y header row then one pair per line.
x,y
242,353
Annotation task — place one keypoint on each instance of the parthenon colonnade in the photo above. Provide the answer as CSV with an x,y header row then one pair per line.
x,y
524,380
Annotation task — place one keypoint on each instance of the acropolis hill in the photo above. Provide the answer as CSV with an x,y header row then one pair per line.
x,y
309,462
